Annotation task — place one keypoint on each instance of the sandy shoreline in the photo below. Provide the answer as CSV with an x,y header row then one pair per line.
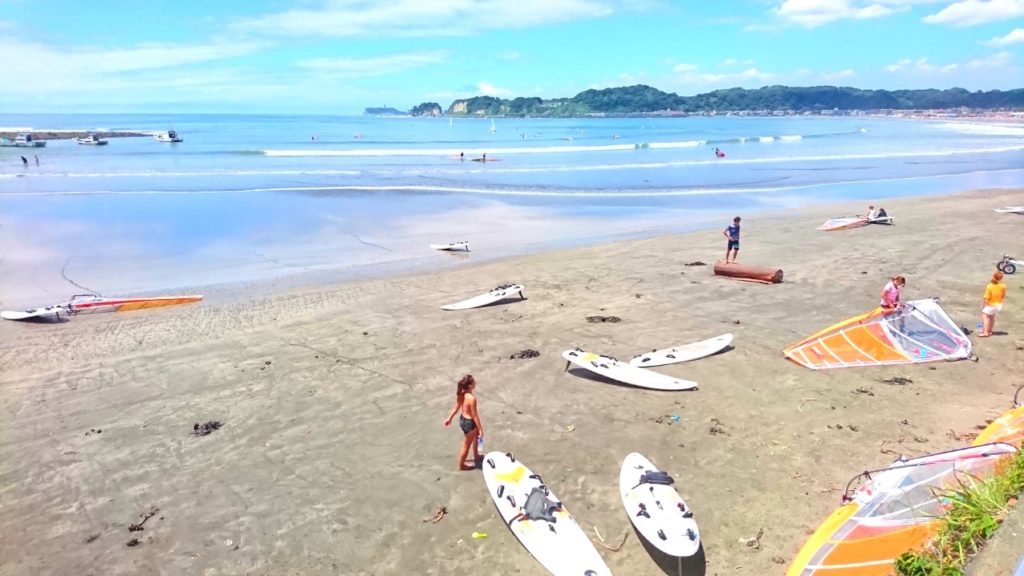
x,y
332,451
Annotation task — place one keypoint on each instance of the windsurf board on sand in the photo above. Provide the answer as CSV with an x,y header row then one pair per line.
x,y
540,522
498,294
843,223
452,246
621,372
1010,210
35,313
682,353
100,304
656,509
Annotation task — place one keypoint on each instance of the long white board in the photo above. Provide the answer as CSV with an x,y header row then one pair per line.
x,y
35,313
682,353
560,545
656,509
621,372
451,246
1010,210
496,295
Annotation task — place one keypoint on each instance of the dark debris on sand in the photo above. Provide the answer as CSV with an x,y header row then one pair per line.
x,y
896,381
600,319
145,516
524,354
717,428
695,263
205,429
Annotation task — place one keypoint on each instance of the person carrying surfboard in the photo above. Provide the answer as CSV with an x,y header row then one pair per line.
x,y
469,421
732,234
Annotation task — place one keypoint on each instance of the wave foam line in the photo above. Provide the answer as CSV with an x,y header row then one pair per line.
x,y
568,193
984,129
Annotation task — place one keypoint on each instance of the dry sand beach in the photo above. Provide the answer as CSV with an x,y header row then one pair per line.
x,y
332,451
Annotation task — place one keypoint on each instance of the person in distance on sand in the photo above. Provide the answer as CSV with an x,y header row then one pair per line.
x,y
995,292
732,234
469,421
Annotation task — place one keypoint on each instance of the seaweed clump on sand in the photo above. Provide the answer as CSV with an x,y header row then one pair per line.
x,y
205,429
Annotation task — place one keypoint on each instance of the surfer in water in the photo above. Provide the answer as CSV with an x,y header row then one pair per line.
x,y
719,153
732,234
469,421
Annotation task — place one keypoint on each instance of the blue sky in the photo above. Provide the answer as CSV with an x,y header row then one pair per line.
x,y
339,56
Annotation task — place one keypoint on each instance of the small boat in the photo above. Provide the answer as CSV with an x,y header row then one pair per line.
x,y
493,127
23,140
169,136
92,139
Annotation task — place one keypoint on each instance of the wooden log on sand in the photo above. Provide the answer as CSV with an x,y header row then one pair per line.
x,y
748,273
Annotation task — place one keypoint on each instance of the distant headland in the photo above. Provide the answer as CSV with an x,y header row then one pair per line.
x,y
641,100
385,111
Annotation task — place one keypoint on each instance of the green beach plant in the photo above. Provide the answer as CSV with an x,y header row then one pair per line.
x,y
976,509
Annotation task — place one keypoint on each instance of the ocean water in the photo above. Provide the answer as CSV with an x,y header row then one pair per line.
x,y
249,197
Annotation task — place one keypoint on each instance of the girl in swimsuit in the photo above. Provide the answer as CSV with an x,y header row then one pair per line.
x,y
469,421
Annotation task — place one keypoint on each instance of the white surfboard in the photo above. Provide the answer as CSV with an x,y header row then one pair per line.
x,y
1010,210
463,246
558,542
682,353
47,312
498,294
621,372
656,509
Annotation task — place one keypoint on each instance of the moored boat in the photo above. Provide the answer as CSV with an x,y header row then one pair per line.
x,y
23,140
92,140
169,136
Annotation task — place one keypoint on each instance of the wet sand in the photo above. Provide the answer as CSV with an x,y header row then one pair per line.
x,y
332,452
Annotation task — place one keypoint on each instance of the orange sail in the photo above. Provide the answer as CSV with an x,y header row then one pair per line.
x,y
918,331
99,304
1008,428
896,510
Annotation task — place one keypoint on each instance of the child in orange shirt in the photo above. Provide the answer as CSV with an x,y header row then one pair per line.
x,y
995,292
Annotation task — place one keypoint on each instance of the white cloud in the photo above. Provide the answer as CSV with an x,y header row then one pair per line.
x,y
728,62
811,13
838,76
1014,37
416,18
748,77
37,68
376,66
922,67
684,67
974,12
997,60
488,89
510,56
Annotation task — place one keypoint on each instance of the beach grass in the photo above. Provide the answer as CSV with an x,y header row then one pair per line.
x,y
977,508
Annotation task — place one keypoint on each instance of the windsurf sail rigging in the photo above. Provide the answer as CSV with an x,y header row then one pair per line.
x,y
843,223
919,331
92,303
1008,428
898,509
